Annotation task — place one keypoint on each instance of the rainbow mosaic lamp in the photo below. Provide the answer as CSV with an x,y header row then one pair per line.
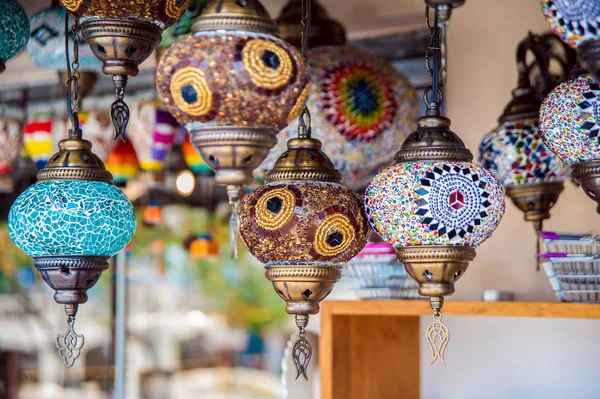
x,y
122,162
515,153
71,222
122,34
14,31
234,85
435,206
577,22
570,126
47,48
361,106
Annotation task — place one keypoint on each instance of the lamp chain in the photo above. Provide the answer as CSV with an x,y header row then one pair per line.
x,y
434,95
304,120
73,78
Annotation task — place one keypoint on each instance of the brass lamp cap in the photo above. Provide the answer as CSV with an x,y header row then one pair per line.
x,y
75,161
433,141
524,105
324,31
247,15
304,161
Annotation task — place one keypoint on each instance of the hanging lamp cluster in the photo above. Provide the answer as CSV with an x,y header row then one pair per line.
x,y
234,85
303,225
435,206
361,106
122,34
578,24
514,152
72,220
14,31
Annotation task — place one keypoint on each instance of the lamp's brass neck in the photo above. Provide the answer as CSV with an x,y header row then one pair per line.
x,y
75,161
303,161
524,105
433,141
246,15
324,31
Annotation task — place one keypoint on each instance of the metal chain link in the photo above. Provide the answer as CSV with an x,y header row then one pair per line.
x,y
433,95
304,128
73,78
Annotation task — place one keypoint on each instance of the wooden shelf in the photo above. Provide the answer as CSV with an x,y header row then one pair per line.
x,y
370,349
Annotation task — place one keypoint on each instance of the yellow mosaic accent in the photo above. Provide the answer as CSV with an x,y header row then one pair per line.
x,y
332,223
71,5
267,219
295,112
262,75
194,77
174,9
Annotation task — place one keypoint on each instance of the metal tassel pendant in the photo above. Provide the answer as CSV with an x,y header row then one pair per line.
x,y
438,336
70,343
302,350
234,229
119,111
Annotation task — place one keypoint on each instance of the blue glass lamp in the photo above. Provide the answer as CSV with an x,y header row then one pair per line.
x,y
71,222
14,30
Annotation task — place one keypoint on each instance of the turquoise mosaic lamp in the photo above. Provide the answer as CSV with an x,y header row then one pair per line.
x,y
14,31
71,222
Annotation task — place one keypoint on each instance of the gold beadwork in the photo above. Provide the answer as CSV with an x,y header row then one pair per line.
x,y
71,5
176,8
195,78
274,221
334,223
263,75
299,103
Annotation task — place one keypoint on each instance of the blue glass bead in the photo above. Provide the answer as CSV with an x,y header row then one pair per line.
x,y
14,29
71,217
47,43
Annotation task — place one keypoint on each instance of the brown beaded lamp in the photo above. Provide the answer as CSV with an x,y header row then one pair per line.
x,y
234,85
122,34
304,226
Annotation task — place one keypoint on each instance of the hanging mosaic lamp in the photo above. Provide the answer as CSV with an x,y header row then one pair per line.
x,y
515,153
234,85
360,105
570,127
304,226
152,134
37,139
122,34
577,22
11,137
435,206
14,31
47,49
71,222
204,247
122,162
192,158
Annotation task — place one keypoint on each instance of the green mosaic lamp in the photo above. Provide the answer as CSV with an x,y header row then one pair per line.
x,y
14,31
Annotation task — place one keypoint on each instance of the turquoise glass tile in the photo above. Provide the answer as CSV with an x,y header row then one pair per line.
x,y
71,217
14,29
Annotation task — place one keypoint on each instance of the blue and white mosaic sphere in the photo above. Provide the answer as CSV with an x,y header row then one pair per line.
x,y
71,217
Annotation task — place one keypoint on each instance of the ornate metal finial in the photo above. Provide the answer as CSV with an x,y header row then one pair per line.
x,y
437,334
302,350
119,111
70,343
245,15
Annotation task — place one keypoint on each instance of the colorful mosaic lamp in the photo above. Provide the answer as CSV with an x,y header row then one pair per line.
x,y
435,206
515,153
122,162
577,22
14,31
193,159
11,137
570,126
122,34
234,85
361,106
47,48
71,222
